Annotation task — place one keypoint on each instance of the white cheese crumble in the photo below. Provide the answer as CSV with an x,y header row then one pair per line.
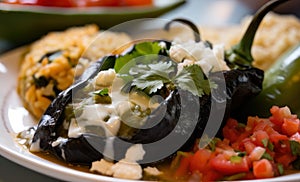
x,y
191,52
152,171
102,167
35,146
105,78
126,168
135,153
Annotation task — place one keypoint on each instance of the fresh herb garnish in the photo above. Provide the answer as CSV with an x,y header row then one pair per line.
x,y
152,77
295,147
236,159
140,49
267,144
267,156
192,78
145,69
102,96
102,92
280,169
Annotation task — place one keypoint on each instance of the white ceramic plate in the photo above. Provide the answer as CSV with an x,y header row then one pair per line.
x,y
15,118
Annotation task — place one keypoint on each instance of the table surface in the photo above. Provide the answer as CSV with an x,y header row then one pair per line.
x,y
202,12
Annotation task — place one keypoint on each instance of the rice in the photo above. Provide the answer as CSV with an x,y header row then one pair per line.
x,y
50,64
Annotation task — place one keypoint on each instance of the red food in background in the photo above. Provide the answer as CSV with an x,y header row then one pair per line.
x,y
81,3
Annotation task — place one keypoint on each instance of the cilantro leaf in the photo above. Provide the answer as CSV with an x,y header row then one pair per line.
x,y
140,49
268,144
192,78
265,142
102,92
126,59
152,76
145,48
295,147
280,169
267,156
145,69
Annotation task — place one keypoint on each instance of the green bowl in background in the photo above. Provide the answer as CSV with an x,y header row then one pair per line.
x,y
22,24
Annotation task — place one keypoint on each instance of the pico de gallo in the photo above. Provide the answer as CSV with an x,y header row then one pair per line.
x,y
81,3
261,148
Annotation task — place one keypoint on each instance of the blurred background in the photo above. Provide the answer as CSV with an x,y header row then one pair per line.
x,y
22,22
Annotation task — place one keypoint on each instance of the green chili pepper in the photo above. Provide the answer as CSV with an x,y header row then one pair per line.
x,y
240,55
281,85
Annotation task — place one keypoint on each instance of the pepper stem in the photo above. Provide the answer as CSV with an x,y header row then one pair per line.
x,y
189,23
240,54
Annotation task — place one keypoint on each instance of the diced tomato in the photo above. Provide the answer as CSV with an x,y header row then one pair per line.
x,y
258,137
276,117
242,137
268,137
226,167
283,147
248,145
100,3
137,2
57,3
290,126
230,130
212,175
285,159
263,169
20,1
262,125
223,145
199,161
183,168
275,137
278,114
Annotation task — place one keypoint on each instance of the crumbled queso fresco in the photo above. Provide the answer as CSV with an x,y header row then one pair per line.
x,y
127,168
191,52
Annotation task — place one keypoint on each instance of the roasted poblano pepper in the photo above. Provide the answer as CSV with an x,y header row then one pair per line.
x,y
242,82
281,86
